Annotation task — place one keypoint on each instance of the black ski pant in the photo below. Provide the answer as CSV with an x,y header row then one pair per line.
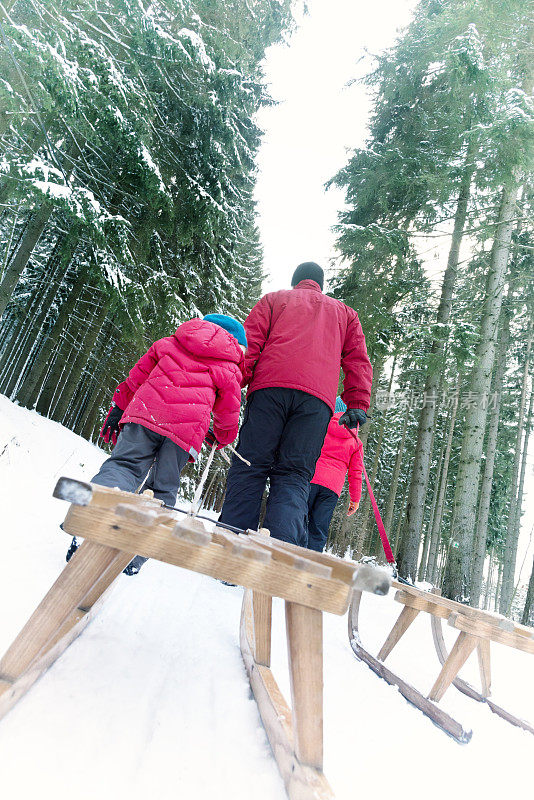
x,y
144,458
321,504
282,435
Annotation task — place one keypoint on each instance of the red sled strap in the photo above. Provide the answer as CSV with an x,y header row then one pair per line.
x,y
380,525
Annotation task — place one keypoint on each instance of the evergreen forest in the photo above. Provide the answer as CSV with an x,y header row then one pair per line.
x,y
128,145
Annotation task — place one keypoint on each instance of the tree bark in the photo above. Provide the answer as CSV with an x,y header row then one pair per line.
x,y
42,376
512,531
528,610
20,258
487,478
390,507
28,347
456,584
428,533
37,377
438,515
79,364
418,486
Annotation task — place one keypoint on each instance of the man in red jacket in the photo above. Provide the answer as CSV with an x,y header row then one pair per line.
x,y
342,454
297,341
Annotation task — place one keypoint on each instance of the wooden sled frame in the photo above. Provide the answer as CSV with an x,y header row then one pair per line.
x,y
476,630
117,525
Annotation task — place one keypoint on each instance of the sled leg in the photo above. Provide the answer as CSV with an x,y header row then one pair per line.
x,y
262,605
79,577
404,620
305,650
484,666
462,648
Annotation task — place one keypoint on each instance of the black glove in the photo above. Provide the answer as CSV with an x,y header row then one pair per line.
x,y
110,428
353,417
210,438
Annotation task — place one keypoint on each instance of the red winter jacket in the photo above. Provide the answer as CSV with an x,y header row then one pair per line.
x,y
341,452
297,338
176,385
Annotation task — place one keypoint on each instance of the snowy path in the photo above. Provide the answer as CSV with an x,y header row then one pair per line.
x,y
152,701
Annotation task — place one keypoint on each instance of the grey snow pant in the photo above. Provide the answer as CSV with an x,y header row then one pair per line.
x,y
143,457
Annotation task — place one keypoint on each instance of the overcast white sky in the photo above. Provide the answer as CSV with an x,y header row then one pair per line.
x,y
317,119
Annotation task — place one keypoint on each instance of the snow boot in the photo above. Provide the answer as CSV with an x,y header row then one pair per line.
x,y
72,549
135,565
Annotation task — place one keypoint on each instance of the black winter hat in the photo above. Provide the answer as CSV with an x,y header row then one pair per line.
x,y
309,270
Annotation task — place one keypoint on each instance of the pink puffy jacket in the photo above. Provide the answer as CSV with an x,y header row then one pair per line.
x,y
297,338
176,385
341,453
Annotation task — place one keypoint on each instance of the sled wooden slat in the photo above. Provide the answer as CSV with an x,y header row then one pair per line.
x,y
304,628
279,579
478,628
299,562
410,595
240,545
461,650
12,691
76,580
467,689
413,696
405,619
262,605
484,666
302,781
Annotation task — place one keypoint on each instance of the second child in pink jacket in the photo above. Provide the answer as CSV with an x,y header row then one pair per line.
x,y
341,454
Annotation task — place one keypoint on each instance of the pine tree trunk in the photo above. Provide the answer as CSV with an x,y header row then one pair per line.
x,y
418,487
29,344
528,610
392,494
423,566
487,478
35,380
489,582
79,364
520,493
364,525
512,531
20,258
440,505
458,568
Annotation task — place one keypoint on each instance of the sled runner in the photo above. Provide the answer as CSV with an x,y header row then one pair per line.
x,y
477,629
116,525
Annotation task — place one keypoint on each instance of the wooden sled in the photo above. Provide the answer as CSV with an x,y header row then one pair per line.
x,y
476,630
117,525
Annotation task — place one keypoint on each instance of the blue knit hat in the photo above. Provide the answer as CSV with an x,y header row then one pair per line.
x,y
340,405
231,325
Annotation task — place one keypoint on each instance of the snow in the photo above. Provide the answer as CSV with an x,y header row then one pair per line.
x,y
153,701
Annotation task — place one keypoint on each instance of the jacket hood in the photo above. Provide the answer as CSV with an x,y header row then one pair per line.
x,y
207,340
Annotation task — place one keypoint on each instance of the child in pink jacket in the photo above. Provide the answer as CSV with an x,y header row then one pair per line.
x,y
161,413
341,453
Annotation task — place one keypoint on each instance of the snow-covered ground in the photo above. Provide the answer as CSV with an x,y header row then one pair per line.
x,y
152,701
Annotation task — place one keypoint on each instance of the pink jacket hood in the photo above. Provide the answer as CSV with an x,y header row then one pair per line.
x,y
181,381
205,339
